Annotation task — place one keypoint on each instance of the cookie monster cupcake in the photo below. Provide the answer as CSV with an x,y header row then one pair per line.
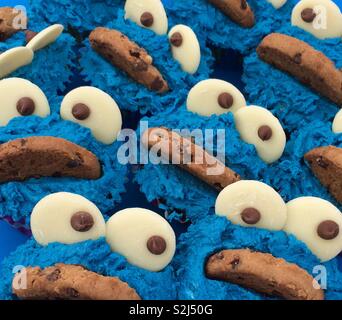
x,y
75,255
36,51
140,65
301,83
259,248
44,150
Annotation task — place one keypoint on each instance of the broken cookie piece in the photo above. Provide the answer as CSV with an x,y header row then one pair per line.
x,y
237,10
190,157
263,273
69,282
7,26
326,164
302,61
129,57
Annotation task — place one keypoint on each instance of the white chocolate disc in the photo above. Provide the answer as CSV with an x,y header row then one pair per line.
x,y
241,195
51,219
249,120
45,37
337,124
12,90
188,54
304,216
134,9
326,24
277,3
104,121
14,59
203,98
129,231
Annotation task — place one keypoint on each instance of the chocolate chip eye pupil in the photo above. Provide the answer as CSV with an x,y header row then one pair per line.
x,y
147,19
225,100
251,216
265,133
176,39
308,15
156,245
26,106
82,221
81,111
328,230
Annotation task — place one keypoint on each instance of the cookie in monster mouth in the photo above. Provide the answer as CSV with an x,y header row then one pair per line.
x,y
74,254
135,60
42,153
260,248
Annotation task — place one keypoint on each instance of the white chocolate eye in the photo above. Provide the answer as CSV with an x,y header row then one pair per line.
x,y
14,59
143,237
20,97
66,218
214,96
252,204
93,109
149,14
337,124
45,37
318,224
322,18
185,48
259,127
277,3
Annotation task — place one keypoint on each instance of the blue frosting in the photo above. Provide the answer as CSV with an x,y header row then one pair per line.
x,y
177,188
51,68
214,26
17,199
131,95
216,233
293,103
95,256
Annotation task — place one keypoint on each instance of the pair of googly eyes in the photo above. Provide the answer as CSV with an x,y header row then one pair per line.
x,y
151,14
314,221
256,125
321,18
88,106
15,58
142,236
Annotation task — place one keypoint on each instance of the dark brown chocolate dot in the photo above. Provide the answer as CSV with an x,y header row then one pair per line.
x,y
72,293
147,19
29,35
235,263
80,111
225,100
308,15
25,106
82,221
328,230
176,39
298,58
73,164
244,4
54,276
156,245
265,133
250,216
157,84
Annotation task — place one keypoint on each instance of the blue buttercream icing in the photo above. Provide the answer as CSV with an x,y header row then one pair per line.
x,y
17,199
132,95
213,234
95,256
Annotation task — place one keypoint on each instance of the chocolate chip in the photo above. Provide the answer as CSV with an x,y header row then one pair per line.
x,y
298,58
82,221
54,276
73,164
225,100
265,133
29,35
80,111
328,230
156,245
244,4
26,106
72,293
321,163
147,19
157,84
250,215
308,15
135,53
235,263
176,39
